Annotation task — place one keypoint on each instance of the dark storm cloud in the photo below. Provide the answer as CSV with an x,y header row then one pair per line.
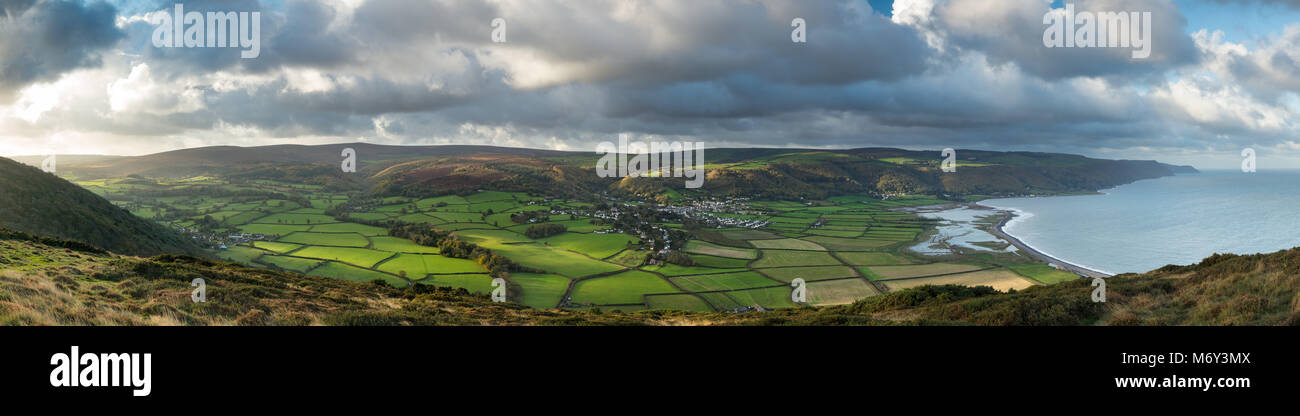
x,y
1012,32
184,61
697,41
306,40
722,60
41,40
679,60
930,73
678,41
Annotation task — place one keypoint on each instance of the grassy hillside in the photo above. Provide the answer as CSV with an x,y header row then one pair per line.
x,y
489,170
41,284
47,282
40,203
1260,289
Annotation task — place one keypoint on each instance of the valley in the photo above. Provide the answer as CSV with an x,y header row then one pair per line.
x,y
730,254
303,246
838,227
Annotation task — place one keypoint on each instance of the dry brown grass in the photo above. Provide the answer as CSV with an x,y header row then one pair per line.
x,y
42,285
32,300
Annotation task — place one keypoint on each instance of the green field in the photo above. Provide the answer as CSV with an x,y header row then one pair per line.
x,y
272,229
326,239
418,265
1042,273
831,243
683,302
297,219
749,235
299,265
555,261
788,274
474,283
240,254
782,258
775,297
356,256
400,245
349,227
541,290
896,272
870,259
458,216
675,270
787,243
595,245
720,262
346,272
700,247
838,292
847,244
276,247
491,237
622,288
728,281
629,258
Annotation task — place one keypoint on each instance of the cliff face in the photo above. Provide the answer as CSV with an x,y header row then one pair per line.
x,y
1183,169
888,171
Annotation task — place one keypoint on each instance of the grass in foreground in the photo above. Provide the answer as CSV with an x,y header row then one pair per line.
x,y
43,284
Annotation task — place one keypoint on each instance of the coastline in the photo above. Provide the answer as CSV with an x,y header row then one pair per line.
x,y
1000,233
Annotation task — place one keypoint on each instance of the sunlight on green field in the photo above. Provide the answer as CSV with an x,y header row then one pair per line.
x,y
839,246
622,288
541,290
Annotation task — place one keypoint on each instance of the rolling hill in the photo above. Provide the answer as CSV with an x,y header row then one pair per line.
x,y
758,172
36,202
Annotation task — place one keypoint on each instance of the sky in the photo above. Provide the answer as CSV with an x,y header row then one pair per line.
x,y
85,77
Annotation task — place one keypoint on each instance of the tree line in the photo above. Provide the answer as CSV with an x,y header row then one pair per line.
x,y
450,246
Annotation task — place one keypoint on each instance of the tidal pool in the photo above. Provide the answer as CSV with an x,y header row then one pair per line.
x,y
959,228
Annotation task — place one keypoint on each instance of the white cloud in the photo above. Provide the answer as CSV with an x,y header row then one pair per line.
x,y
35,100
140,92
951,73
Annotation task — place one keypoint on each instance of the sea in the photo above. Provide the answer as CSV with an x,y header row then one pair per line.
x,y
1172,220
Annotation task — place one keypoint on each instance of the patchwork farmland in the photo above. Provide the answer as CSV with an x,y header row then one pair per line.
x,y
845,248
